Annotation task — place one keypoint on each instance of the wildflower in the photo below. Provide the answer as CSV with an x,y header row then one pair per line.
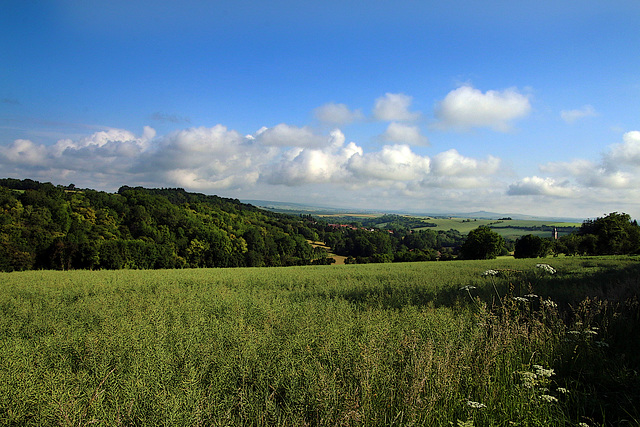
x,y
529,379
491,273
543,372
475,405
520,299
547,268
467,288
563,390
583,425
549,304
548,399
531,296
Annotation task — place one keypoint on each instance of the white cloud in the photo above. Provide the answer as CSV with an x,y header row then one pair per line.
x,y
24,152
284,135
301,166
404,134
465,108
337,114
571,116
626,153
541,186
206,158
452,163
394,107
109,137
392,163
615,177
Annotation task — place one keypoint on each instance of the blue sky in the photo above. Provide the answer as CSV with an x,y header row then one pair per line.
x,y
526,107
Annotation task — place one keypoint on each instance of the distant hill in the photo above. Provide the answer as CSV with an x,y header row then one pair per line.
x,y
297,208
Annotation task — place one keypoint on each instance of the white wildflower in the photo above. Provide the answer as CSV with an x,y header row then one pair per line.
x,y
467,288
562,390
476,405
549,304
547,268
531,296
549,399
520,299
491,273
543,372
529,379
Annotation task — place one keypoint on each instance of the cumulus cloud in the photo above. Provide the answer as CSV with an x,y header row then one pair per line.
x,y
404,134
392,163
619,169
466,107
337,114
206,158
571,116
626,153
24,152
284,135
106,143
300,166
394,107
541,186
451,162
453,170
267,162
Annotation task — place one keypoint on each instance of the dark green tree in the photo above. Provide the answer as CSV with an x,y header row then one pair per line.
x,y
529,246
613,234
482,243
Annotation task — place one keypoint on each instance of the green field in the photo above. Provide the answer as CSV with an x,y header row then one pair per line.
x,y
511,229
434,344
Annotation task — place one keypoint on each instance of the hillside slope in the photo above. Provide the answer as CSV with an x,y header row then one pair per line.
x,y
54,227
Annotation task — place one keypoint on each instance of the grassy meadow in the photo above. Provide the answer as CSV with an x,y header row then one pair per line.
x,y
434,344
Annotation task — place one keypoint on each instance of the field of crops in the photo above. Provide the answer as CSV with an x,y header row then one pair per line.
x,y
510,229
498,342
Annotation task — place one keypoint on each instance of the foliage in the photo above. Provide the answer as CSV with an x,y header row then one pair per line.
x,y
613,234
482,243
531,246
55,227
371,345
44,226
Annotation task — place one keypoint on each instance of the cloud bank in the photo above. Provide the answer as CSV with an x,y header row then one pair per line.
x,y
307,164
616,175
218,158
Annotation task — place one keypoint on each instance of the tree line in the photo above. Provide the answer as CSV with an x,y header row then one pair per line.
x,y
44,226
613,234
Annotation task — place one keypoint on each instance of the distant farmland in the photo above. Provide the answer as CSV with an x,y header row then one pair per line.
x,y
509,229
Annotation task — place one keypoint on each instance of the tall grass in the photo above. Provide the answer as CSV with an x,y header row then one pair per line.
x,y
393,344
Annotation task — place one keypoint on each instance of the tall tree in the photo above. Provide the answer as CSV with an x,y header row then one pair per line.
x,y
482,243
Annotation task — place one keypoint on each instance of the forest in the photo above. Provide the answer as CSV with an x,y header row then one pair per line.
x,y
46,226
